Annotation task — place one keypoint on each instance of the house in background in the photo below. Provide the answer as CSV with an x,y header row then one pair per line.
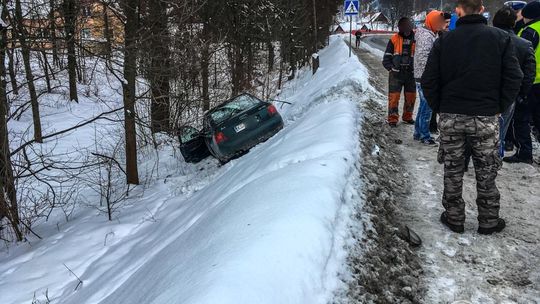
x,y
375,22
337,29
99,29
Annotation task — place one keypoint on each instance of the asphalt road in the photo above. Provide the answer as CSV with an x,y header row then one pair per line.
x,y
377,41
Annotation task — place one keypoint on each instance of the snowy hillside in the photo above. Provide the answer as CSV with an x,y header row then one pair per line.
x,y
269,227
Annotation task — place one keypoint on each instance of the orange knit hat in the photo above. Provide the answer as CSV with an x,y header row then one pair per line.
x,y
431,19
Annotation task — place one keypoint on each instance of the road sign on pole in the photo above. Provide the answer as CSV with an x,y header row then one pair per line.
x,y
351,7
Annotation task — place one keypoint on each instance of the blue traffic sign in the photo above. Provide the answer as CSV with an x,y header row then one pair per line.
x,y
351,7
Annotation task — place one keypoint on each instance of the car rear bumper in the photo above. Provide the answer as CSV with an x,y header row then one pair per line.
x,y
237,146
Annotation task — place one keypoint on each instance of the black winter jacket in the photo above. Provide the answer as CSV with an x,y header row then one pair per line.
x,y
472,70
527,62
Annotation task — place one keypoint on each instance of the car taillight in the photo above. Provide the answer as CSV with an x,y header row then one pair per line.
x,y
272,110
220,137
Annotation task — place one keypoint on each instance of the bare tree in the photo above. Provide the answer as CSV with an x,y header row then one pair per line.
x,y
396,9
131,34
8,198
71,12
21,34
52,30
159,72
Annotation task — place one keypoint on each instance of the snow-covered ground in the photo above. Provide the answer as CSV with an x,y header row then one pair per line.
x,y
270,227
468,268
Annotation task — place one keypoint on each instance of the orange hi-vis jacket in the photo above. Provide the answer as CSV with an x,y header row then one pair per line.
x,y
399,53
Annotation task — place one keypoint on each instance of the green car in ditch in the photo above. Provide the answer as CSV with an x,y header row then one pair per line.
x,y
231,129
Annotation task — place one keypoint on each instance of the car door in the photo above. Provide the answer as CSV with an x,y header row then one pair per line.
x,y
192,144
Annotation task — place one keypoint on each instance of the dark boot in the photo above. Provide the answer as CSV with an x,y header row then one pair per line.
x,y
514,159
454,228
486,231
409,122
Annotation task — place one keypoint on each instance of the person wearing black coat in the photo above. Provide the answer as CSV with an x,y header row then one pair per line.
x,y
473,70
505,19
472,76
358,36
528,111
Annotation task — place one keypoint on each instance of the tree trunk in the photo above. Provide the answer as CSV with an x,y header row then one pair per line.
x,y
130,74
107,29
315,36
271,55
45,63
160,66
250,63
8,198
237,70
52,26
205,64
25,50
71,11
12,74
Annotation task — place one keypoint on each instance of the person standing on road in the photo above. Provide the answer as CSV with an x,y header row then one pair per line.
x,y
505,19
358,36
398,61
530,107
472,75
433,128
425,36
517,6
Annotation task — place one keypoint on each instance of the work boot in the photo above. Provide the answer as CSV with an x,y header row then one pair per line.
x,y
487,231
508,147
409,122
454,228
514,159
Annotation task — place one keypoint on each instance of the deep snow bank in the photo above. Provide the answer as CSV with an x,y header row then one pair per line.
x,y
269,227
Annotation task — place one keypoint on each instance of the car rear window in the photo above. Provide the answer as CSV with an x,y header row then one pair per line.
x,y
234,106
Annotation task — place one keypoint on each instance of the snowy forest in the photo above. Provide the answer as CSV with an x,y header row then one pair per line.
x,y
149,66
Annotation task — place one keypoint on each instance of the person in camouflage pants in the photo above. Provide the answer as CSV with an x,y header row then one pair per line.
x,y
482,133
472,76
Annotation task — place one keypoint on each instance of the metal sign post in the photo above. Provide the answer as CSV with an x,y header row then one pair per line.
x,y
350,36
352,8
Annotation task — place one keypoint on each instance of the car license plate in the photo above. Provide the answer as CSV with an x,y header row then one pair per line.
x,y
239,128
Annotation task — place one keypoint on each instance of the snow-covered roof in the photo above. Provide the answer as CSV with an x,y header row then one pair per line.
x,y
370,18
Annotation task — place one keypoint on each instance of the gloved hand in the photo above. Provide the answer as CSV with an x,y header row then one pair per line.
x,y
522,100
